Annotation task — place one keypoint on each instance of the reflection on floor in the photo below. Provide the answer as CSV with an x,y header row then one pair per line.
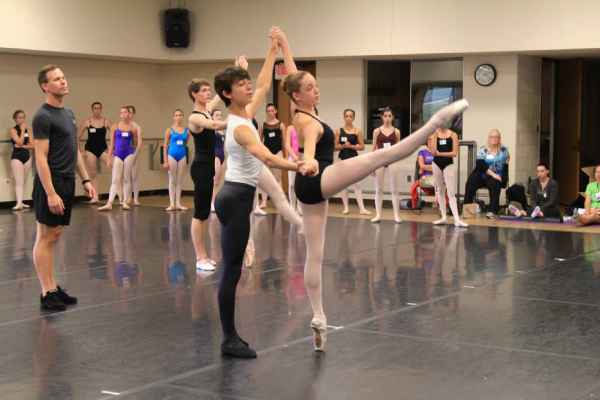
x,y
415,311
427,215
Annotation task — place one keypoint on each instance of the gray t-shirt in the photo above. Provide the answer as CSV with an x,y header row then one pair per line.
x,y
59,126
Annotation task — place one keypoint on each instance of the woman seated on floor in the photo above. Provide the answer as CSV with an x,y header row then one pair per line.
x,y
592,203
491,165
543,194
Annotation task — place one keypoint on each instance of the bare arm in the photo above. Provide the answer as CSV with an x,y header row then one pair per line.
x,y
137,139
422,164
397,133
361,141
166,148
31,141
336,141
311,132
260,132
283,149
288,59
111,146
374,144
264,81
84,125
246,138
198,122
15,136
588,202
287,142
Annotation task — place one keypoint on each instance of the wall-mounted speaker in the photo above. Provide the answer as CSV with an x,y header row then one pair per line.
x,y
177,28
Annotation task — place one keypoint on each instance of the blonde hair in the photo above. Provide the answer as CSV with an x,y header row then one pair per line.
x,y
499,138
291,83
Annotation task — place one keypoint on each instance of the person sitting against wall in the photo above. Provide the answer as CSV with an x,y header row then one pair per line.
x,y
426,181
592,203
543,196
490,168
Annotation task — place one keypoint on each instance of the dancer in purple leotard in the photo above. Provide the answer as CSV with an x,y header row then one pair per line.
x,y
121,136
219,157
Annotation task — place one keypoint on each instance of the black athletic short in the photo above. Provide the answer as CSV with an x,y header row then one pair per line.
x,y
65,188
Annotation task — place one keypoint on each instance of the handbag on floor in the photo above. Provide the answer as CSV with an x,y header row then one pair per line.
x,y
470,211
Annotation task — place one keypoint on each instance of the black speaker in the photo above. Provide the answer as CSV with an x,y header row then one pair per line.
x,y
177,28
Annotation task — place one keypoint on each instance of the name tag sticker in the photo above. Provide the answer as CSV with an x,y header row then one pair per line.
x,y
125,134
344,139
271,134
545,194
26,134
92,130
386,145
442,141
180,142
223,139
598,197
490,157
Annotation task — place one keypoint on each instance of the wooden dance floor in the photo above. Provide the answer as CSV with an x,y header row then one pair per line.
x,y
414,312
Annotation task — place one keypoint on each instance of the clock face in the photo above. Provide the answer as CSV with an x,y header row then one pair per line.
x,y
485,74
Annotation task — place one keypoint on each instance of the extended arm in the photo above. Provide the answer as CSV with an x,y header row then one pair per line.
x,y
246,138
198,122
265,78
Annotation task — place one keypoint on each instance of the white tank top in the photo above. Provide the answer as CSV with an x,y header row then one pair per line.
x,y
242,166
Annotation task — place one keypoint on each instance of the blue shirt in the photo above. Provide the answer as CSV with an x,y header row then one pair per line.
x,y
496,161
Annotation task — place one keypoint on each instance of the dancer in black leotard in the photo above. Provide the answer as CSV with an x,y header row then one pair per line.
x,y
348,141
271,133
321,180
245,171
20,161
95,147
203,127
445,149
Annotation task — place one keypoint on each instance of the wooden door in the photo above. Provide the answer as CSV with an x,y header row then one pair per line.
x,y
569,74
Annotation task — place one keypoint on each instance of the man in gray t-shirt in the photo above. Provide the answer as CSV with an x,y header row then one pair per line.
x,y
57,160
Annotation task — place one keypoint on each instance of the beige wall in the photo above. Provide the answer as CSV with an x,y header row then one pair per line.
x,y
113,83
333,28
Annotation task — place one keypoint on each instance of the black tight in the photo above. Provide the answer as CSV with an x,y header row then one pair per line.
x,y
233,207
477,181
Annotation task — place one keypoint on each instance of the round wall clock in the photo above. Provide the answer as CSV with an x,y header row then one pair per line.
x,y
485,74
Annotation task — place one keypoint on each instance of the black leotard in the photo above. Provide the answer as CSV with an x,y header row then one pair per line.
x,y
350,138
308,190
96,143
203,170
272,137
444,146
18,152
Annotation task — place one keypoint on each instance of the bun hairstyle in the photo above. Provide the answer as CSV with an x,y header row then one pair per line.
x,y
271,105
96,103
349,110
16,113
387,109
291,83
180,110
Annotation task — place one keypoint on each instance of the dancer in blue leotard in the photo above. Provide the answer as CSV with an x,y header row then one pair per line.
x,y
121,135
174,152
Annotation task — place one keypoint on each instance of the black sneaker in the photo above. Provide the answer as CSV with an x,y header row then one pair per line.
x,y
52,301
65,298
